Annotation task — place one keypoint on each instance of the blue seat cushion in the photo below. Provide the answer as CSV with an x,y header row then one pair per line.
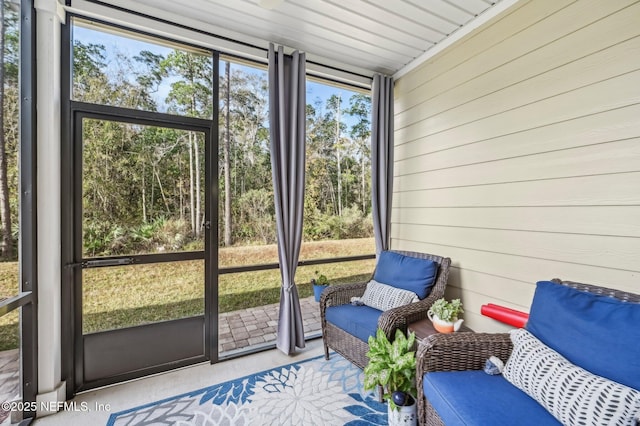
x,y
597,333
359,321
475,398
406,272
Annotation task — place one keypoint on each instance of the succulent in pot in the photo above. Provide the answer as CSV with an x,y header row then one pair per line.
x,y
320,282
444,315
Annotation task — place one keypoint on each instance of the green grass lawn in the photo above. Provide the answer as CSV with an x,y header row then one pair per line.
x,y
125,296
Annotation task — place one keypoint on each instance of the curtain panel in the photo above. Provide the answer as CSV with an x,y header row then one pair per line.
x,y
382,159
287,119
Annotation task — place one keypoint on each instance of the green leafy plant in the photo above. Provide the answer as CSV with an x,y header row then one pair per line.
x,y
392,365
447,311
320,279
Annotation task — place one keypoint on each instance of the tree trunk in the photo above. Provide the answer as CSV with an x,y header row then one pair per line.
x,y
196,155
181,189
338,158
164,198
363,194
192,200
6,245
144,196
227,161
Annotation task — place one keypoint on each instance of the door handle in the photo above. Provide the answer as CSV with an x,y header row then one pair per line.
x,y
97,263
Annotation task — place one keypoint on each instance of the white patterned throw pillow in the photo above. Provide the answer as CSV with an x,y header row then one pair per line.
x,y
384,297
572,394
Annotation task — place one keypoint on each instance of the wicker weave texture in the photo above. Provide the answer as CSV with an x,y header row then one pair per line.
x,y
354,349
469,351
344,344
431,417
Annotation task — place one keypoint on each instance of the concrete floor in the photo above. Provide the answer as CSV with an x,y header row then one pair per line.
x,y
103,402
239,331
9,380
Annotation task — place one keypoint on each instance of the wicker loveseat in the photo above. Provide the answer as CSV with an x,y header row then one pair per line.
x,y
581,362
344,340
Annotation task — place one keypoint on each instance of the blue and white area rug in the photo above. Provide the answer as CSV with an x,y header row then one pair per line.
x,y
311,392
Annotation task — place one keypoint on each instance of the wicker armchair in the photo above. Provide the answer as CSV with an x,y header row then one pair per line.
x,y
354,349
469,351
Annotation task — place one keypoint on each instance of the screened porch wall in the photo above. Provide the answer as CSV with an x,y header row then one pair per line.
x,y
517,153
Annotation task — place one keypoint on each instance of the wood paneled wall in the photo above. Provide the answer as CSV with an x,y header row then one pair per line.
x,y
517,153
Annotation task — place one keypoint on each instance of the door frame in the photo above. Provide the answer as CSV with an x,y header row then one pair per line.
x,y
75,262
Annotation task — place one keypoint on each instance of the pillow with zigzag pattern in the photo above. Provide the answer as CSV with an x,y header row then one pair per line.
x,y
384,297
572,394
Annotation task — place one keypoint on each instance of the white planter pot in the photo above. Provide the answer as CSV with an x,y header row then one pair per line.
x,y
404,416
444,326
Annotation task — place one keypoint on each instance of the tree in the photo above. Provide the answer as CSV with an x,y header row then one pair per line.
x,y
149,78
244,154
360,109
191,95
227,158
320,160
8,23
335,101
157,170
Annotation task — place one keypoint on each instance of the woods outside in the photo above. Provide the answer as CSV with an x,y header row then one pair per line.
x,y
143,186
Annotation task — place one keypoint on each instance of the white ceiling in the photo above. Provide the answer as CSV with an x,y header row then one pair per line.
x,y
357,35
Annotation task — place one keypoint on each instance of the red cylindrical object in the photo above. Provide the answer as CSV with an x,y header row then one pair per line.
x,y
505,315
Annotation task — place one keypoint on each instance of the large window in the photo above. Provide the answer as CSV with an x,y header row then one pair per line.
x,y
9,146
143,187
124,69
246,192
337,209
142,157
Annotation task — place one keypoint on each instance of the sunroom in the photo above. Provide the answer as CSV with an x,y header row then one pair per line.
x,y
150,247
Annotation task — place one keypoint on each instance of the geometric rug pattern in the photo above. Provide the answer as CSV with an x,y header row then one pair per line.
x,y
310,392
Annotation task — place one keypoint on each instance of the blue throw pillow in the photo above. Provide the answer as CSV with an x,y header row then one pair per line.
x,y
406,272
597,333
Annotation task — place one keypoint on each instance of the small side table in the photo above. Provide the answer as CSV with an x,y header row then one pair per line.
x,y
424,328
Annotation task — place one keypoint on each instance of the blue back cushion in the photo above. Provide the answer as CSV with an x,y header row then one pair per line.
x,y
406,272
359,321
598,333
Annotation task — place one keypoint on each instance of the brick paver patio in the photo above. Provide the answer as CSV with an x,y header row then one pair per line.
x,y
258,325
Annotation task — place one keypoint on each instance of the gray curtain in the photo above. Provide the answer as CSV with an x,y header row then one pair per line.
x,y
287,107
382,159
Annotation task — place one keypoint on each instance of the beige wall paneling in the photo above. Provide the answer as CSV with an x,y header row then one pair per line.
x,y
598,250
519,32
508,279
512,293
604,95
615,189
496,30
597,128
517,153
459,106
509,61
620,221
522,268
611,157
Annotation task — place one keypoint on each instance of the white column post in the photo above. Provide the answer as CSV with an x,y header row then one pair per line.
x,y
51,389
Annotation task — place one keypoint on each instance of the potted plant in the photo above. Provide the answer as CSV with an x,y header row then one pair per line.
x,y
320,282
392,370
444,315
